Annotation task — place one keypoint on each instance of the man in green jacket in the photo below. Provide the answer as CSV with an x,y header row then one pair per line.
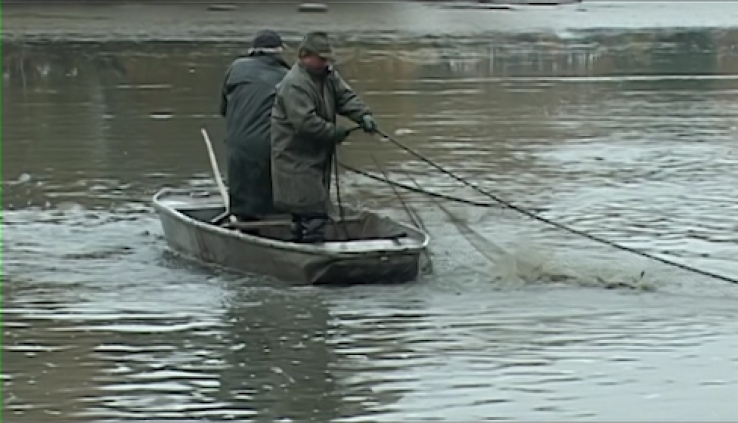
x,y
305,135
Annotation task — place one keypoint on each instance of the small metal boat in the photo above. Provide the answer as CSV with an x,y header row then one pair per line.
x,y
363,248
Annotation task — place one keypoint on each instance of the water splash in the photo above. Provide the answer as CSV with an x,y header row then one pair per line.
x,y
531,263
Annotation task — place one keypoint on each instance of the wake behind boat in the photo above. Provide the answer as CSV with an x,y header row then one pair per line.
x,y
364,248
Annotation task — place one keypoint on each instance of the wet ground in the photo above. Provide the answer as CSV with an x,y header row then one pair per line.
x,y
620,119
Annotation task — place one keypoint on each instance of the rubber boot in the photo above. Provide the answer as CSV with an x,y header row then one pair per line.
x,y
296,230
308,229
313,231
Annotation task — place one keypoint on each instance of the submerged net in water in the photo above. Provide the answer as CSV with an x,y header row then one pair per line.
x,y
525,258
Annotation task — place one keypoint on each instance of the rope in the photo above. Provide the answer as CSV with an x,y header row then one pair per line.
x,y
416,189
410,214
335,164
556,224
338,196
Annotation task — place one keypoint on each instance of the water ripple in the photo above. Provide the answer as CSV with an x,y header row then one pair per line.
x,y
518,321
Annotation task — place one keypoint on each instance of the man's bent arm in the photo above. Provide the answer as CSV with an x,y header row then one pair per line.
x,y
300,111
348,103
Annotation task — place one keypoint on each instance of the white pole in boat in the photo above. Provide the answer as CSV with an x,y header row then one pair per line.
x,y
216,171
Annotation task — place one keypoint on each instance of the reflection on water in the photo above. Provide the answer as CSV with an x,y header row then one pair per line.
x,y
629,136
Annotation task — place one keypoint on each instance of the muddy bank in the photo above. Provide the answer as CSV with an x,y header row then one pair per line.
x,y
195,22
392,22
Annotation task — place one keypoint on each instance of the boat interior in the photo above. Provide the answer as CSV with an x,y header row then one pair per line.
x,y
356,226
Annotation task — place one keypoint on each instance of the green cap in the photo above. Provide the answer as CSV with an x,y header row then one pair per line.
x,y
318,43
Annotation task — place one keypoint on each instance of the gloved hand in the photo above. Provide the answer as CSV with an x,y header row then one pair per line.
x,y
340,134
368,124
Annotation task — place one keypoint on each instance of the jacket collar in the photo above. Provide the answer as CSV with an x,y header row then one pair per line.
x,y
274,58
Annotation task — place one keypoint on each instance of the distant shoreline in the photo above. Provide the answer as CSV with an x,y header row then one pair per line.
x,y
193,21
429,22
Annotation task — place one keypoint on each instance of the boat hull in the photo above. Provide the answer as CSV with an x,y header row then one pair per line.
x,y
337,263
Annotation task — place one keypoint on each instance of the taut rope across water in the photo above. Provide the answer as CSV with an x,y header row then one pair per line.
x,y
540,218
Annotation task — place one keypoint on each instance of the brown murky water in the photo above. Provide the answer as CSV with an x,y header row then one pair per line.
x,y
628,133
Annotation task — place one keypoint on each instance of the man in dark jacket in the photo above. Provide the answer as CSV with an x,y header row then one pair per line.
x,y
246,101
305,135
